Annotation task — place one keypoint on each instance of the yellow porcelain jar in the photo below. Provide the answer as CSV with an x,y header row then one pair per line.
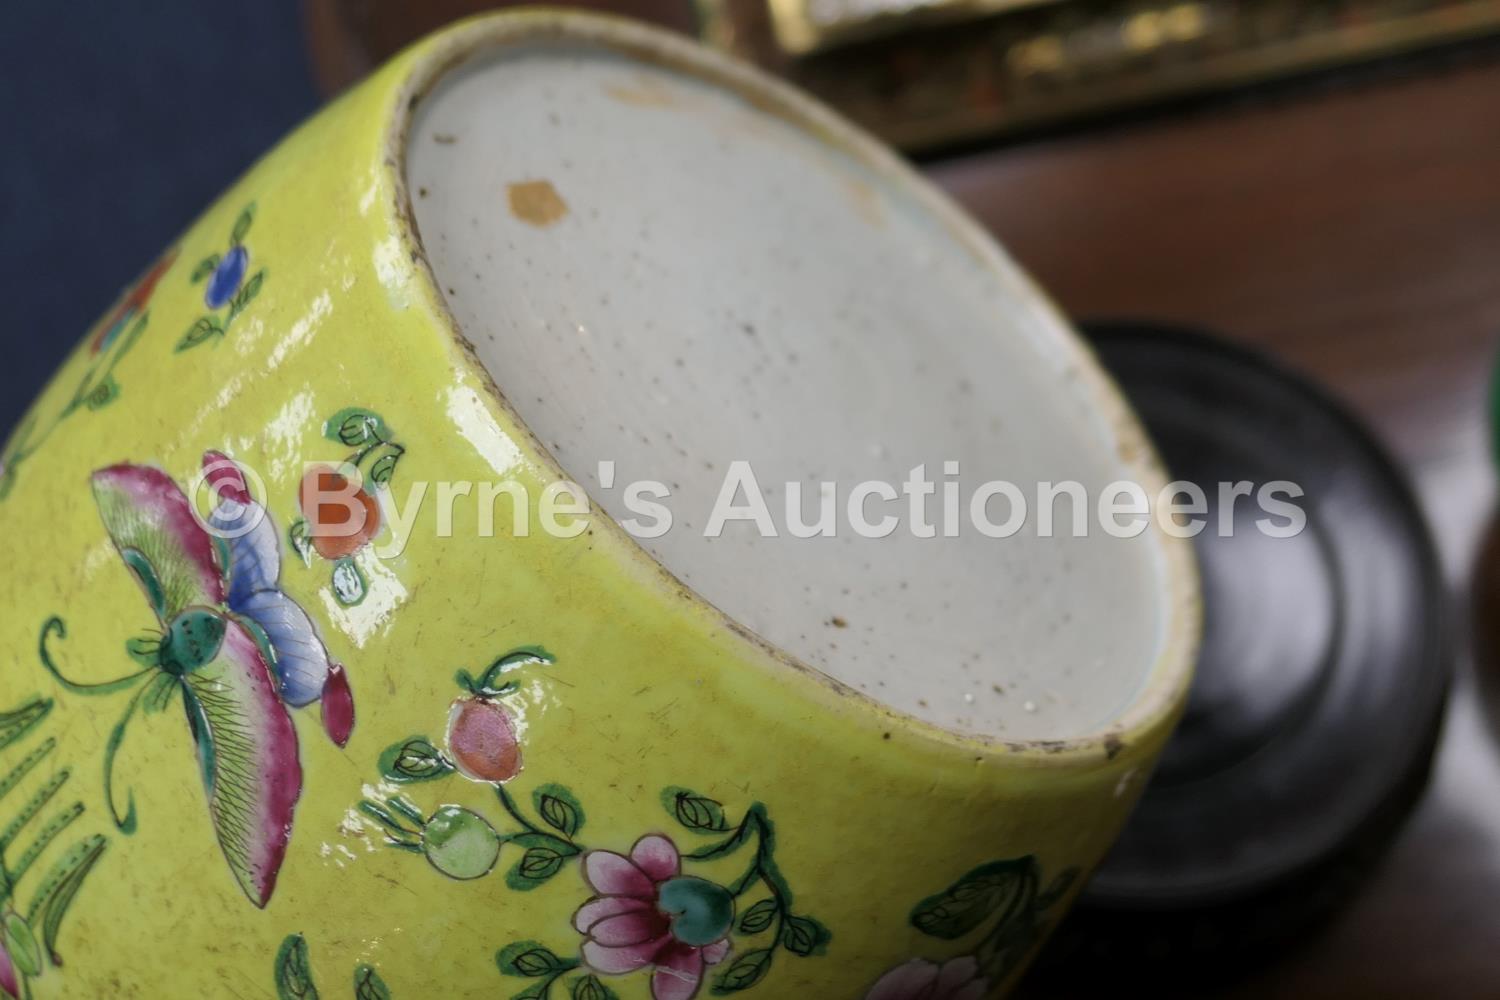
x,y
248,754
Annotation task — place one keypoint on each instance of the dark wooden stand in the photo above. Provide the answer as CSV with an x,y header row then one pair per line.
x,y
1356,234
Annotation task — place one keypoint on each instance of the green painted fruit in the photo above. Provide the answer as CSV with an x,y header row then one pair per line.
x,y
460,843
701,911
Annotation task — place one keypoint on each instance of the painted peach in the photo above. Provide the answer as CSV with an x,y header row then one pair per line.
x,y
482,740
341,517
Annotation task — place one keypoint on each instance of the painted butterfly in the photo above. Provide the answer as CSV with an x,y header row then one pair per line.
x,y
236,649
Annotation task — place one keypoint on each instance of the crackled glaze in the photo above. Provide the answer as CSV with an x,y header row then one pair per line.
x,y
311,763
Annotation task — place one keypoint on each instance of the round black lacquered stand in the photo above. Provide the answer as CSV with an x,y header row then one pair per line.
x,y
1320,688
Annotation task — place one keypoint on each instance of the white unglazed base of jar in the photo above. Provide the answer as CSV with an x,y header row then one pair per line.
x,y
666,272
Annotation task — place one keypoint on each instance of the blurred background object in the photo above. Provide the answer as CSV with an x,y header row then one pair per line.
x,y
1346,220
924,73
348,38
1322,678
928,73
121,122
1348,227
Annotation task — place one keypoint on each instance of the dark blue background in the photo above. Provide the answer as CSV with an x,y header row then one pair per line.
x,y
121,122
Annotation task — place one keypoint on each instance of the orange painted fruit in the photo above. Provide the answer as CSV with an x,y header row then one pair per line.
x,y
341,517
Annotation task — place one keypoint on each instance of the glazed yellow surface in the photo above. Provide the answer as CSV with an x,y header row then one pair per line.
x,y
651,690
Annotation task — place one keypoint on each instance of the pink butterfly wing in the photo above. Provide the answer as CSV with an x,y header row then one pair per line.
x,y
152,525
247,747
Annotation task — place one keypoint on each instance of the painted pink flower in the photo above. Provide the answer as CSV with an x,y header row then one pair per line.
x,y
919,979
647,914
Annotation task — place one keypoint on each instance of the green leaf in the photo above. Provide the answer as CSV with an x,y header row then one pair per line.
x,y
805,936
540,863
559,809
101,395
203,329
18,722
744,972
349,587
759,917
414,759
54,826
21,944
1003,887
694,811
294,979
241,225
384,467
531,959
368,985
208,265
298,535
57,890
26,764
248,291
29,811
590,988
542,858
354,426
34,805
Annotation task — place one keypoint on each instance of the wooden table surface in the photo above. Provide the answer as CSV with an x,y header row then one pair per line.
x,y
1354,232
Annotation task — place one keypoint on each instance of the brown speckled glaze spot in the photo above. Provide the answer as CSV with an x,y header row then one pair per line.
x,y
536,203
